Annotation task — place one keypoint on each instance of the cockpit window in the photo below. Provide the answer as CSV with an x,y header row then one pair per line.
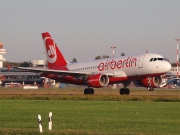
x,y
159,59
164,59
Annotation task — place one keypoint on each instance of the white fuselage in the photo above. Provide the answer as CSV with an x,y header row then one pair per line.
x,y
136,65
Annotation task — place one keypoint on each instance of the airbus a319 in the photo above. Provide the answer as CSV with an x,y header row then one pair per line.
x,y
147,68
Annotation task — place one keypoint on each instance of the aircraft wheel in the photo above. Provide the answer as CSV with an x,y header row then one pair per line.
x,y
121,91
85,91
91,91
149,88
88,91
127,91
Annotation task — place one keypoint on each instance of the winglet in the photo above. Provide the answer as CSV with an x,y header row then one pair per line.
x,y
55,59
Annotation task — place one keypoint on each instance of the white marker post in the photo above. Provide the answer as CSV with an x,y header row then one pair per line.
x,y
40,123
50,120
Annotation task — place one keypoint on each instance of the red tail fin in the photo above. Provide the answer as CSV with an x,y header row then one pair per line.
x,y
55,59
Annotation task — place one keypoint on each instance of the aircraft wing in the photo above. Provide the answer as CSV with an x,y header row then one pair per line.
x,y
52,71
66,72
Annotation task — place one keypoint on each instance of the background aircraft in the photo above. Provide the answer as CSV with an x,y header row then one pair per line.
x,y
171,83
147,68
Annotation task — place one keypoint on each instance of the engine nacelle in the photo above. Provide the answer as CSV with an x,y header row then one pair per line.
x,y
152,81
98,80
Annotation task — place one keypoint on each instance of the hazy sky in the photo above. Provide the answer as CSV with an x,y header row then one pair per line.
x,y
86,28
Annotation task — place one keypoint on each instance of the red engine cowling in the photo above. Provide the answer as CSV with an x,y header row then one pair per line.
x,y
98,80
152,81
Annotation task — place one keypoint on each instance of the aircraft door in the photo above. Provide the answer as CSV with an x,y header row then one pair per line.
x,y
140,61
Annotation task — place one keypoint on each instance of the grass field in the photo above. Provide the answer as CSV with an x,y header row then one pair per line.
x,y
105,113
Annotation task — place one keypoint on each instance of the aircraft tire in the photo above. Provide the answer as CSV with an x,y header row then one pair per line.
x,y
91,91
121,91
152,88
88,91
127,91
149,88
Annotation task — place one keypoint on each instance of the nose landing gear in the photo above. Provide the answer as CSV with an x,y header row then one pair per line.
x,y
150,88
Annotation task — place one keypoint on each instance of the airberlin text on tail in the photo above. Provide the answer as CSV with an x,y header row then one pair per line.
x,y
55,59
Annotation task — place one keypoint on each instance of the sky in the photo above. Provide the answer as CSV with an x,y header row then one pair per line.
x,y
84,29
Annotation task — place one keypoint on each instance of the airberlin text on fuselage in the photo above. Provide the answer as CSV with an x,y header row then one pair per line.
x,y
117,64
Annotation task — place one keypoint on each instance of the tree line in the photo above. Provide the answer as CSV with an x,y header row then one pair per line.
x,y
17,64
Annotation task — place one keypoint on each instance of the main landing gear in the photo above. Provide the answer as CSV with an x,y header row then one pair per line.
x,y
124,91
88,91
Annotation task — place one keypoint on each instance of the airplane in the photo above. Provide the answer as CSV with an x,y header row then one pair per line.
x,y
147,68
171,82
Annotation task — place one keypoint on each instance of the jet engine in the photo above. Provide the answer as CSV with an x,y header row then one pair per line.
x,y
97,80
152,81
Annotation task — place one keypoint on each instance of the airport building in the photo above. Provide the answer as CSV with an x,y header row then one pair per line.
x,y
15,76
10,76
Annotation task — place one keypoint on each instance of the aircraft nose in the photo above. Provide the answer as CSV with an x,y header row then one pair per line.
x,y
167,67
